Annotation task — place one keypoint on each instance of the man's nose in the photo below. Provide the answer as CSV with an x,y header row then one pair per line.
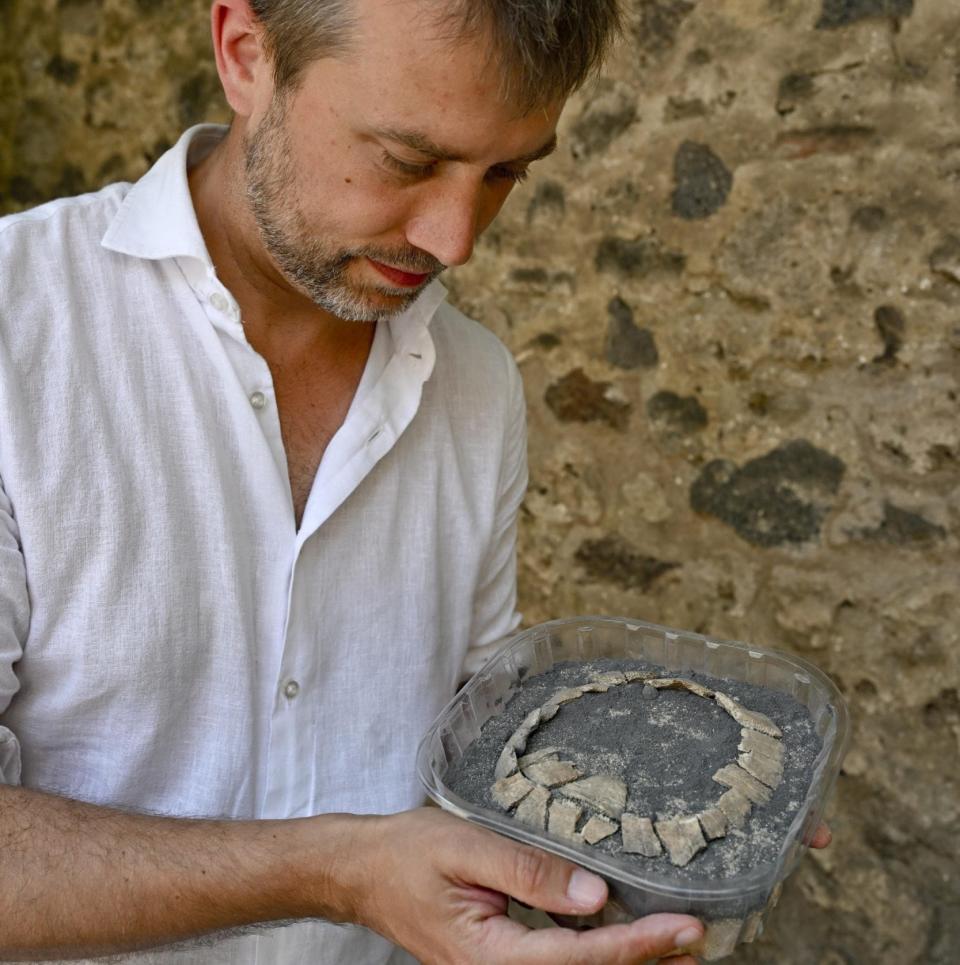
x,y
445,222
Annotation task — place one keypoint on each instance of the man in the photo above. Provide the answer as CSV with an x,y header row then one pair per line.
x,y
258,514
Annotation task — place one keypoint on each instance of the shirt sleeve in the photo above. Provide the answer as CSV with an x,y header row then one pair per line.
x,y
14,621
495,614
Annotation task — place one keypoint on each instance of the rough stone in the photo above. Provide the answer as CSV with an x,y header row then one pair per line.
x,y
532,810
598,828
682,838
734,776
563,817
610,112
599,792
702,182
510,791
748,718
638,836
774,499
612,559
628,346
577,398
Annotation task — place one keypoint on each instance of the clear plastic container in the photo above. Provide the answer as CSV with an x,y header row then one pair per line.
x,y
734,908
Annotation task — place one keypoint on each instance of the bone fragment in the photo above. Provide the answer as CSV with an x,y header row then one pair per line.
x,y
541,755
764,769
639,836
506,763
594,688
748,718
564,696
697,688
732,775
714,823
598,828
532,810
682,838
600,792
752,741
548,711
610,677
720,938
518,739
552,773
563,817
667,683
735,807
510,791
634,675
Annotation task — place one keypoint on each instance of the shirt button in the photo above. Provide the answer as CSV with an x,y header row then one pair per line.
x,y
258,400
291,689
219,302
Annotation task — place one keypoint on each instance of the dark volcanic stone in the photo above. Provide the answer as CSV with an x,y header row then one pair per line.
x,y
549,196
530,276
839,13
659,20
681,413
599,125
577,398
901,527
63,70
628,347
870,217
774,499
891,325
703,182
636,258
613,560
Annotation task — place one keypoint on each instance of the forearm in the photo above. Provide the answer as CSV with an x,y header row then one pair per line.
x,y
79,880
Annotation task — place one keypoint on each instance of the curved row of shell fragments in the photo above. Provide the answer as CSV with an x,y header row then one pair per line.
x,y
547,793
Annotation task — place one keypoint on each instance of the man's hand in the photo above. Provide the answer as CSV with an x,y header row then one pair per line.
x,y
437,886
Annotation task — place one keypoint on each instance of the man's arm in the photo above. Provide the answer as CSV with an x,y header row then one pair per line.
x,y
80,880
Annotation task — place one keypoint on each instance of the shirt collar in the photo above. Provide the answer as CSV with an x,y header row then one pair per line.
x,y
157,220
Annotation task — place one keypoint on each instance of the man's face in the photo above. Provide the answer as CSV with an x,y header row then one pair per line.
x,y
386,164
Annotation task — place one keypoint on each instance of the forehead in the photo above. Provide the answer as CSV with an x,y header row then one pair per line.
x,y
407,69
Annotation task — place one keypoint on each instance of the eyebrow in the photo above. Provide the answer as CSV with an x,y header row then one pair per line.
x,y
419,142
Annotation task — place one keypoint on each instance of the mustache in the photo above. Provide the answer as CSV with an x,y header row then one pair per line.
x,y
409,259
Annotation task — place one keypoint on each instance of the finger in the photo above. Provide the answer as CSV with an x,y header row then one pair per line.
x,y
537,878
821,837
642,940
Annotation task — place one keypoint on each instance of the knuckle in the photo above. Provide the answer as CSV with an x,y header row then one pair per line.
x,y
531,869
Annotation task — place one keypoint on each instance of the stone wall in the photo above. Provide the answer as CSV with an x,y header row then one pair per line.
x,y
734,294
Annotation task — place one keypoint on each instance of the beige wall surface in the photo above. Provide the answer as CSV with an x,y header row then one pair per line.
x,y
734,295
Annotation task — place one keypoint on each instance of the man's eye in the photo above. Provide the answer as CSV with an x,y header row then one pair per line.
x,y
405,168
516,175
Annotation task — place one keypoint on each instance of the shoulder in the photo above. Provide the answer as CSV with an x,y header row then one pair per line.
x,y
473,360
57,232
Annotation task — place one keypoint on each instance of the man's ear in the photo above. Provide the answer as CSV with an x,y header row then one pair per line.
x,y
242,62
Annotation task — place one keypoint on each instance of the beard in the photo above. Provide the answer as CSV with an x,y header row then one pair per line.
x,y
313,266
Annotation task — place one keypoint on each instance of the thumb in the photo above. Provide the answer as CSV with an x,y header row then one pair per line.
x,y
541,879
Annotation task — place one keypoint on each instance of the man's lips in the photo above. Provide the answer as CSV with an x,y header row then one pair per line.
x,y
405,279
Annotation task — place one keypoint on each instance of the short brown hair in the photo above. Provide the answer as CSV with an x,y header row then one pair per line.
x,y
543,49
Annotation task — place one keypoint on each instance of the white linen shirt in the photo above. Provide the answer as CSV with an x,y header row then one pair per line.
x,y
169,640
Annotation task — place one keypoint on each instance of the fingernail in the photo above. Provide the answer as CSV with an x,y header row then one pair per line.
x,y
688,936
586,889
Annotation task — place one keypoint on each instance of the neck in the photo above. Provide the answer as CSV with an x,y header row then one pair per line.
x,y
274,313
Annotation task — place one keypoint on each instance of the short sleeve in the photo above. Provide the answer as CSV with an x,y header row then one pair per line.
x,y
14,621
495,615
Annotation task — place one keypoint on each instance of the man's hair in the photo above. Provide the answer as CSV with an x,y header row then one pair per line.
x,y
542,49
